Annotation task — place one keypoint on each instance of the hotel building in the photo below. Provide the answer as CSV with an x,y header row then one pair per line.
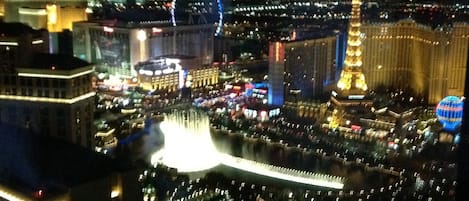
x,y
47,93
117,46
171,73
53,17
52,97
432,62
301,70
43,14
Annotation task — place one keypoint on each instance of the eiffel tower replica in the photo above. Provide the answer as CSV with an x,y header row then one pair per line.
x,y
351,88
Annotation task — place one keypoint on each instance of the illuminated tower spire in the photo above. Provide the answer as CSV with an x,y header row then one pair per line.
x,y
351,77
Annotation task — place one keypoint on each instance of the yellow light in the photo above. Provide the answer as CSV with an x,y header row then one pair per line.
x,y
8,195
48,100
104,134
55,76
26,11
51,14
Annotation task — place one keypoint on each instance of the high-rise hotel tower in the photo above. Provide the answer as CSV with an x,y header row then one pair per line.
x,y
405,54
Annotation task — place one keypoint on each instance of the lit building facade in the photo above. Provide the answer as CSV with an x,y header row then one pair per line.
x,y
12,7
51,97
118,46
202,77
173,73
432,62
49,94
54,17
301,69
161,74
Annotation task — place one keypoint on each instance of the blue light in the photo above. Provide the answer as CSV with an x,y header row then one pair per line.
x,y
218,32
457,138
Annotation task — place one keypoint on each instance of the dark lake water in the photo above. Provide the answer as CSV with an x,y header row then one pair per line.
x,y
236,145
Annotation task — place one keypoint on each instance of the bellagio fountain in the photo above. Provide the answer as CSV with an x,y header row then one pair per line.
x,y
188,146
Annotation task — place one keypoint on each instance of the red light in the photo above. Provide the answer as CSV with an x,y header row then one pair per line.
x,y
249,86
355,127
168,5
262,91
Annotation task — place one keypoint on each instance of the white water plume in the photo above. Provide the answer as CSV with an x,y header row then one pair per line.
x,y
188,145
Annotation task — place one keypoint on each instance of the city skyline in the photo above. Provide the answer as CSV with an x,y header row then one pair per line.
x,y
233,100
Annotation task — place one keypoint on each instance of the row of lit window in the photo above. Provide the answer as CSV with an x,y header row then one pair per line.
x,y
205,75
41,92
155,78
164,86
411,37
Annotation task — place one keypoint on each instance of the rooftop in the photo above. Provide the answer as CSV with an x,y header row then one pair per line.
x,y
56,62
16,29
131,24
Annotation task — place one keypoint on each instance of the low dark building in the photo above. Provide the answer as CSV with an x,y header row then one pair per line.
x,y
39,168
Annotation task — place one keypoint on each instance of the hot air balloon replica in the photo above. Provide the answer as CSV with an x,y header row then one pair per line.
x,y
449,112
